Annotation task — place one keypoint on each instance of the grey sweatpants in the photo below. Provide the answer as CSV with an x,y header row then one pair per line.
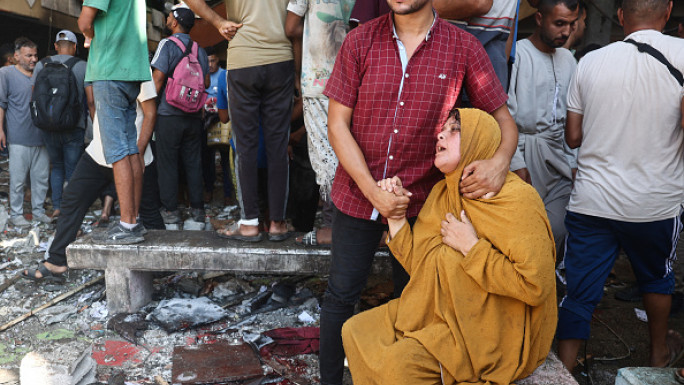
x,y
22,161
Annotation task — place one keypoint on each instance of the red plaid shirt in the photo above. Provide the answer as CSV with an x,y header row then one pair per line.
x,y
397,133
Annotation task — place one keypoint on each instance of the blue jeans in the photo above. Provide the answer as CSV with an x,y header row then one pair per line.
x,y
64,149
116,111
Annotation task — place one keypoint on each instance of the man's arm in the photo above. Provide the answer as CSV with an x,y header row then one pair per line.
x,y
573,129
226,28
90,99
487,176
461,9
85,23
351,158
294,29
149,108
159,79
3,140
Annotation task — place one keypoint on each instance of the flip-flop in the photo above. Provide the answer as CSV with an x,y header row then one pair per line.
x,y
675,344
679,377
311,239
48,276
279,237
236,236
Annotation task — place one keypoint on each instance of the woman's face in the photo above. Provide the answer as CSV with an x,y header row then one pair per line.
x,y
448,149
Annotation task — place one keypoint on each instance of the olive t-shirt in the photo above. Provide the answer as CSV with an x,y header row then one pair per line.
x,y
119,48
261,40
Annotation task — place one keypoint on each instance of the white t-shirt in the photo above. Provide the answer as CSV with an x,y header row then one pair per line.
x,y
631,161
326,24
94,149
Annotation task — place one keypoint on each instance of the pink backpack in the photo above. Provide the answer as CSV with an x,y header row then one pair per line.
x,y
185,89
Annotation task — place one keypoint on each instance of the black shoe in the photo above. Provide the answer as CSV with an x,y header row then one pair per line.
x,y
119,235
197,215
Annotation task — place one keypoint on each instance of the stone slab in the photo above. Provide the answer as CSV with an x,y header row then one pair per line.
x,y
646,376
202,250
215,363
67,363
551,372
128,268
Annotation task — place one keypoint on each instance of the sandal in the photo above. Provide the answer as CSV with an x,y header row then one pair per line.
x,y
311,239
47,275
279,237
233,232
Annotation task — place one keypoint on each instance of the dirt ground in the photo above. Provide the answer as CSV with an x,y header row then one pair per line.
x,y
619,339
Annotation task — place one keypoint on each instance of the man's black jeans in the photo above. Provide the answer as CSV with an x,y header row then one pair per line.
x,y
86,184
354,243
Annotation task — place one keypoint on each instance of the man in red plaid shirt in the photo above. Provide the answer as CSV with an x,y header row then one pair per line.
x,y
394,81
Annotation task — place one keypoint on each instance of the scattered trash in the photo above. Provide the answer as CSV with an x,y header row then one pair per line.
x,y
289,342
98,310
641,315
306,318
179,313
56,314
128,326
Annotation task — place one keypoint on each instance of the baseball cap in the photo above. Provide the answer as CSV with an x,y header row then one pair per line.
x,y
66,35
184,16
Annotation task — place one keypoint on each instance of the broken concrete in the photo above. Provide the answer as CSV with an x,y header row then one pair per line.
x,y
66,364
551,372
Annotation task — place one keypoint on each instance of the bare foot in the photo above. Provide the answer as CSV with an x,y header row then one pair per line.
x,y
278,227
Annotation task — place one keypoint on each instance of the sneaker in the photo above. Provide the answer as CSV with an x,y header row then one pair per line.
x,y
140,229
197,215
170,217
20,221
42,218
119,235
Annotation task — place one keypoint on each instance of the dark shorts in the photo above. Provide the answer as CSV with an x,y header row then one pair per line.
x,y
592,247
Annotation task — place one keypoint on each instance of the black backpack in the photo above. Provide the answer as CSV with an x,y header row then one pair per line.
x,y
55,103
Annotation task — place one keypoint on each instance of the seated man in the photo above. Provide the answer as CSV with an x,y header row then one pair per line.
x,y
481,303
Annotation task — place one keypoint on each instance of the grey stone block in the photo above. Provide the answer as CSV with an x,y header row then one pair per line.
x,y
646,376
128,268
551,372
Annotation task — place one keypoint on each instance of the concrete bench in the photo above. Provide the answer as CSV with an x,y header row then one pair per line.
x,y
128,269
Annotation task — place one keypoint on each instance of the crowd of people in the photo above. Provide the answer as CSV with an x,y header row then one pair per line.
x,y
484,162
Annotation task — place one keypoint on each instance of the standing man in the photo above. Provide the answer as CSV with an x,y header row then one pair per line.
x,y
115,31
537,100
27,152
625,110
260,88
216,75
65,147
395,80
179,133
317,30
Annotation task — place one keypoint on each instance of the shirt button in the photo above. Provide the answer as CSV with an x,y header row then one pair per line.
x,y
391,157
396,131
406,76
401,104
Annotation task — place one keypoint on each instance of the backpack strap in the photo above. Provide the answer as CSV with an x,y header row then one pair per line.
x,y
643,47
186,50
72,62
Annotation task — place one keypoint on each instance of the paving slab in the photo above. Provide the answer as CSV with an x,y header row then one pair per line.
x,y
646,376
64,363
215,363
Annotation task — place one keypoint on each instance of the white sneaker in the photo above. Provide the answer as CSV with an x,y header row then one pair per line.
x,y
20,221
42,218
